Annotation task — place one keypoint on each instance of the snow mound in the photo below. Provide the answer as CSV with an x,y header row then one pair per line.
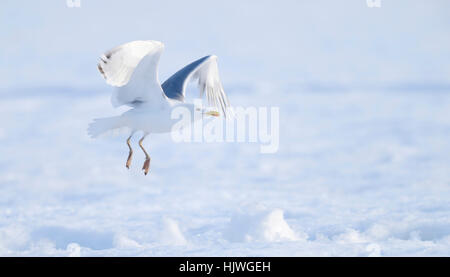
x,y
351,236
124,242
269,226
171,233
74,250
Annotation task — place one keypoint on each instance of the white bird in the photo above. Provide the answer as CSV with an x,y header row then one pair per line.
x,y
133,69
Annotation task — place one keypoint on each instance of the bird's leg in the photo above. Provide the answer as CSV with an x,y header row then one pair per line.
x,y
147,157
130,154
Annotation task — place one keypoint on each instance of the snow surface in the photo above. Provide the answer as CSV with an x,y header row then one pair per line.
x,y
357,174
363,167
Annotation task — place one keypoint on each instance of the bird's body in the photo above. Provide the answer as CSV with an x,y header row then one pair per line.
x,y
133,69
151,119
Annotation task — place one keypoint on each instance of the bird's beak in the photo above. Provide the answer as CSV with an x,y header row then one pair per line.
x,y
212,113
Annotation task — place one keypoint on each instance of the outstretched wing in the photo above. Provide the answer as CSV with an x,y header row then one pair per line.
x,y
132,68
206,71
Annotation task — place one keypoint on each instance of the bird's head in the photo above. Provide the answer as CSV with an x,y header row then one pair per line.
x,y
210,112
197,111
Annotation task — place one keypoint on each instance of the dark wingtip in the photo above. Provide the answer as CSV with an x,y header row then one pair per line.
x,y
101,70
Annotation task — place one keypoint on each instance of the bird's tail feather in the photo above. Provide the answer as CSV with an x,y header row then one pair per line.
x,y
103,125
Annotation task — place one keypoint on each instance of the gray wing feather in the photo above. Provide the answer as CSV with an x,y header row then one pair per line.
x,y
175,85
205,70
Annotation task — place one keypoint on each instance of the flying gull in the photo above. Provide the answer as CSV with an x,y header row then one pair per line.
x,y
133,69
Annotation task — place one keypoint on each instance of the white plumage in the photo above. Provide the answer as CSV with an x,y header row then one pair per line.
x,y
133,69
